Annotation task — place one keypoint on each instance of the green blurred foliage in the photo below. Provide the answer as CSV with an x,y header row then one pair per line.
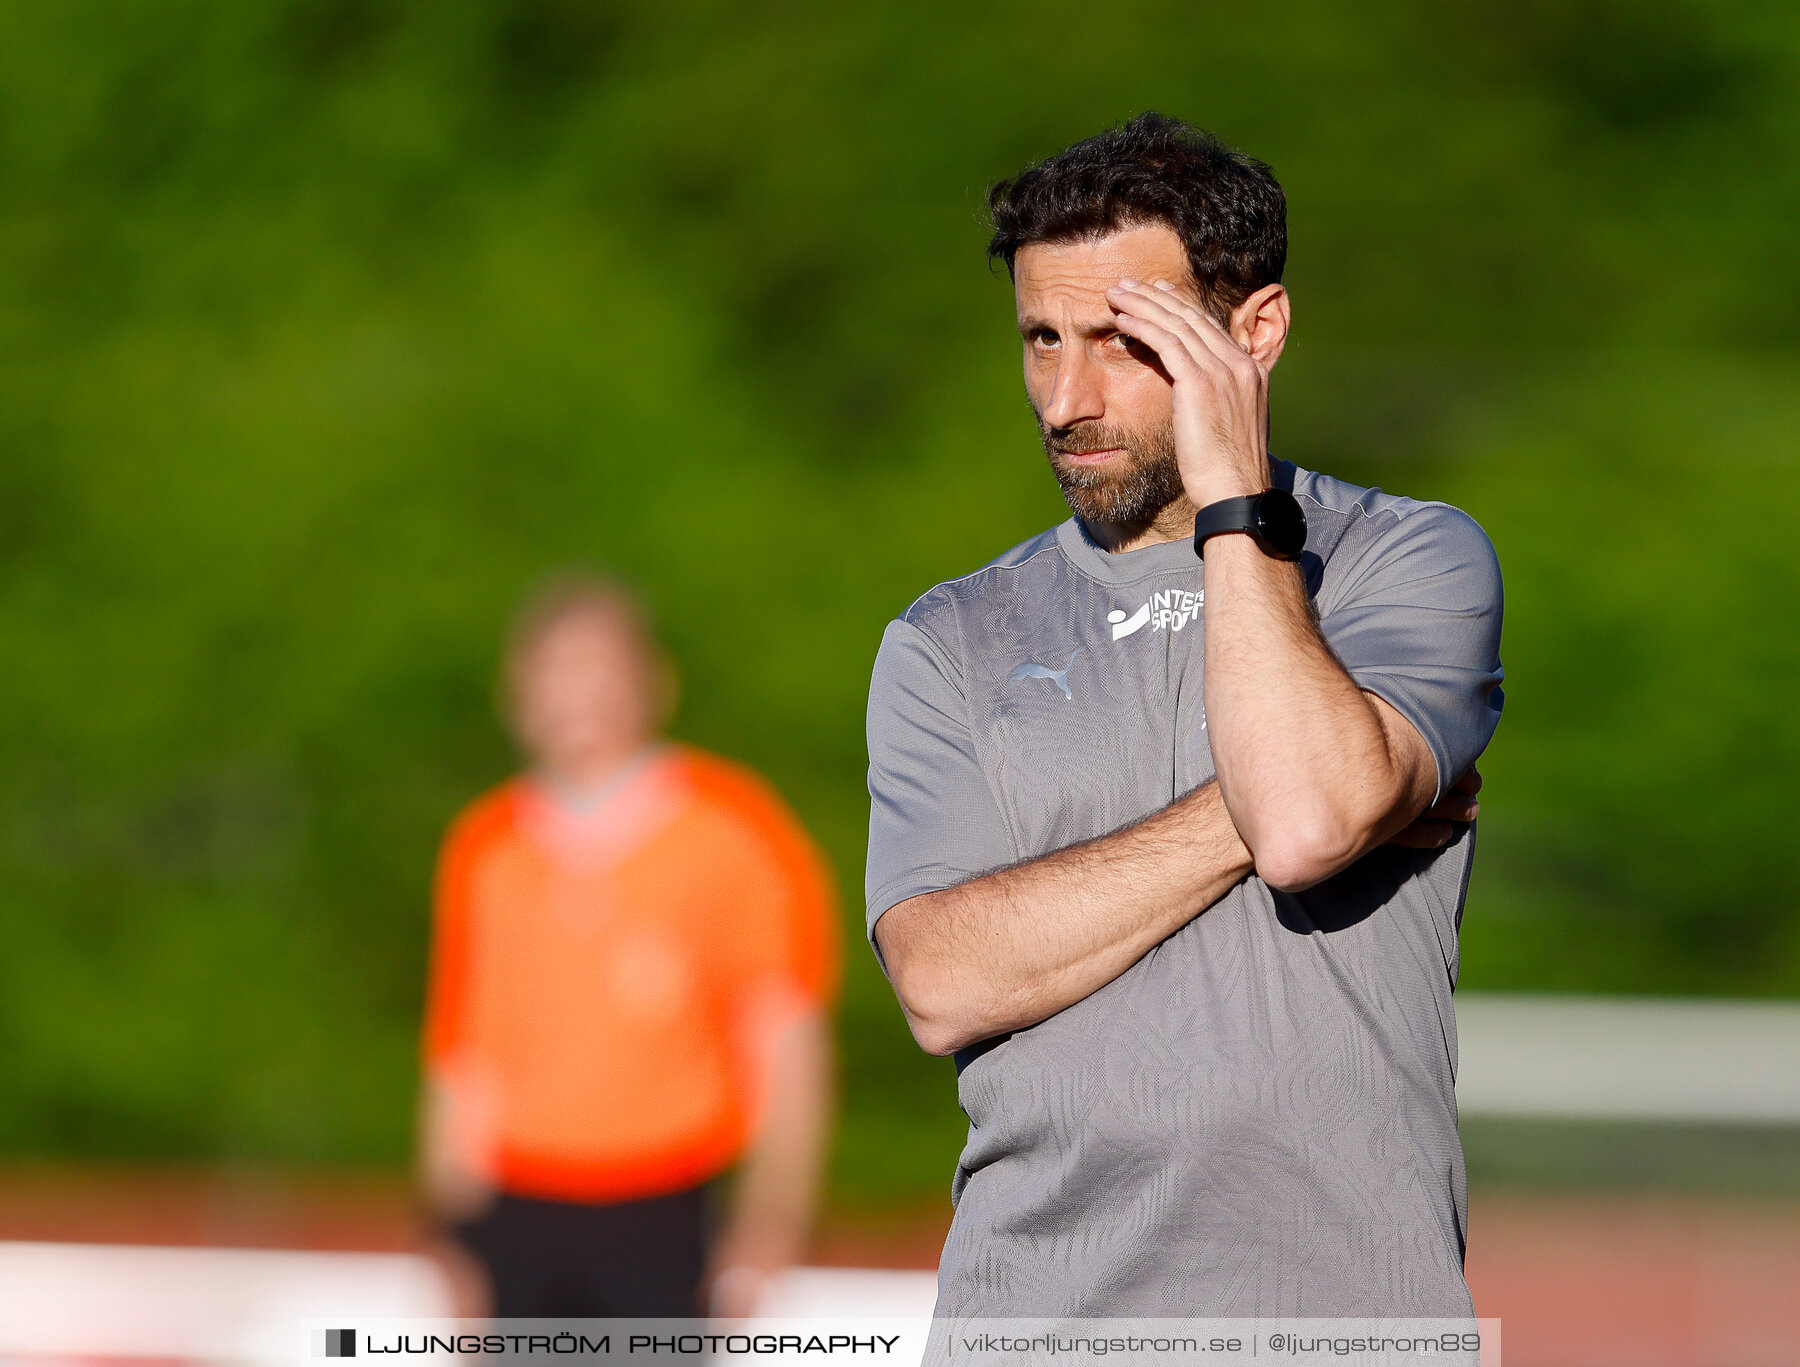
x,y
328,326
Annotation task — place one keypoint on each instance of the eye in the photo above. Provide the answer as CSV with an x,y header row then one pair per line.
x,y
1043,338
1134,347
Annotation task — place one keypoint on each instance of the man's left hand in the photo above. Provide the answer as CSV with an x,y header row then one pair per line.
x,y
1221,391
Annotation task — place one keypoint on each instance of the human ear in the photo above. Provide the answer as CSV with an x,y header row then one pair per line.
x,y
1260,324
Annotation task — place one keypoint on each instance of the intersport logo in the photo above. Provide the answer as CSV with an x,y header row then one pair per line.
x,y
1166,610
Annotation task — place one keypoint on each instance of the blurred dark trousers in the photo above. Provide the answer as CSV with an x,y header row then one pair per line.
x,y
547,1259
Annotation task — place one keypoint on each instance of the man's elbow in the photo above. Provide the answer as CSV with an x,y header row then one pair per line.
x,y
927,998
1302,854
939,1024
937,1038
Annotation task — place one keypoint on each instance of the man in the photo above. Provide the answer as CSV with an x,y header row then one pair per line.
x,y
633,951
1129,853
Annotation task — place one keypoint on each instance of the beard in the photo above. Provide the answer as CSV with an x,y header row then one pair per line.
x,y
1149,482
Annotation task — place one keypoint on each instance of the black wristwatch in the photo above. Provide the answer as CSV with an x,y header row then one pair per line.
x,y
1272,518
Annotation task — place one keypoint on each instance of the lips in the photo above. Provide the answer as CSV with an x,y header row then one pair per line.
x,y
1092,457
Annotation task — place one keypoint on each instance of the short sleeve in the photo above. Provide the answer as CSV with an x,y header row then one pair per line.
x,y
471,835
933,819
1417,623
783,934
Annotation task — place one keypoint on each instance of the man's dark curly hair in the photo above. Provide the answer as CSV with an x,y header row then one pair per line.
x,y
1228,209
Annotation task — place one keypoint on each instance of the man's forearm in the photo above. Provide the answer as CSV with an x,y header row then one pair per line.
x,y
1313,771
450,1174
777,1184
1011,948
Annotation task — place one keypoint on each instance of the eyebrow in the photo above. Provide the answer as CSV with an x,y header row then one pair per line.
x,y
1027,326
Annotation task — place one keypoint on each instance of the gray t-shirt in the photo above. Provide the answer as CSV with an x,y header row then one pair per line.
x,y
1258,1118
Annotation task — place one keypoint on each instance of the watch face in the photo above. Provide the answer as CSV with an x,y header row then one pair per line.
x,y
1280,524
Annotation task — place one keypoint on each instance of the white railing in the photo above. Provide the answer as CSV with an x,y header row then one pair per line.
x,y
1626,1058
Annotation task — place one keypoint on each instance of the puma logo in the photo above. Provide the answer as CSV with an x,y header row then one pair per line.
x,y
1059,677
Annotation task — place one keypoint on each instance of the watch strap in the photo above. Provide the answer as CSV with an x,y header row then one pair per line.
x,y
1227,515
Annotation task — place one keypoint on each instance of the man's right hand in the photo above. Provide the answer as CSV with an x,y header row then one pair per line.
x,y
1439,824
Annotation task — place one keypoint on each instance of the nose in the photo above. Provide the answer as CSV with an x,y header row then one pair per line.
x,y
1076,392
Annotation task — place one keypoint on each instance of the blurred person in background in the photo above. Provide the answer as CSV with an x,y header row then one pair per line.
x,y
632,956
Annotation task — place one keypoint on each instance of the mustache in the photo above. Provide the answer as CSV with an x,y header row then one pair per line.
x,y
1088,436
